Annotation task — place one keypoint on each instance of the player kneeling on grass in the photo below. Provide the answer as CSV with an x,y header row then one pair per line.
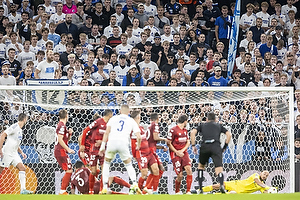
x,y
9,155
80,180
253,183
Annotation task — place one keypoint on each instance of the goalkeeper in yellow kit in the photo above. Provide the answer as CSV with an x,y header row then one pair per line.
x,y
253,183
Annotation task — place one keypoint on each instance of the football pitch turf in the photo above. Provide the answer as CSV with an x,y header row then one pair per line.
x,y
293,196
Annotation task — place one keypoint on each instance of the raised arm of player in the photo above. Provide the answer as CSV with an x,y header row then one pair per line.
x,y
261,184
193,140
63,144
157,138
2,139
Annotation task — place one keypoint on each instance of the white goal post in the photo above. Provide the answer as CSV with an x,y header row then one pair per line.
x,y
260,118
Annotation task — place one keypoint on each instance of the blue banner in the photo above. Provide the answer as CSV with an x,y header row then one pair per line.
x,y
234,34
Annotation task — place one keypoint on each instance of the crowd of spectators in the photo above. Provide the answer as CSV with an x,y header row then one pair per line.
x,y
150,43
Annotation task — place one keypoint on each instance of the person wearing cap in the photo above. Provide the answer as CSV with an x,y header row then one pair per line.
x,y
279,36
121,69
236,78
141,15
160,20
133,77
181,54
87,26
257,30
248,19
156,48
170,64
148,47
6,78
217,80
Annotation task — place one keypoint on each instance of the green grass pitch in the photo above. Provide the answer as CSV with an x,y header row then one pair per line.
x,y
293,196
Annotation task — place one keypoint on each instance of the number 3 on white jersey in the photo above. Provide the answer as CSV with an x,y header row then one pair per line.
x,y
121,124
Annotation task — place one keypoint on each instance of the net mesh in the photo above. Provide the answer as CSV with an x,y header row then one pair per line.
x,y
258,120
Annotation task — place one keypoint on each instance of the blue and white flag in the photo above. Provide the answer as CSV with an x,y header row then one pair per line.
x,y
234,35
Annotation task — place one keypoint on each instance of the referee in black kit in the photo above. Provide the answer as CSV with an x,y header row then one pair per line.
x,y
210,148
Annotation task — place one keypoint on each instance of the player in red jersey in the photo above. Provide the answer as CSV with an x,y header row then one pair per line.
x,y
96,129
80,180
178,142
153,137
61,149
85,144
145,157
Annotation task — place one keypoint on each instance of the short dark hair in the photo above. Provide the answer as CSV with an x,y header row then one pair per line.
x,y
182,118
107,112
62,114
153,116
135,113
211,116
21,117
79,164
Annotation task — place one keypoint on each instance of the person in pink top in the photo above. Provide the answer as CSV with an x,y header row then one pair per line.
x,y
69,7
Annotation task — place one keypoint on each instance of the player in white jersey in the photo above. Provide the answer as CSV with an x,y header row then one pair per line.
x,y
9,153
118,131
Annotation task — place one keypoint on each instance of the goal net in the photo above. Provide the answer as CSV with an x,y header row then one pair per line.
x,y
261,121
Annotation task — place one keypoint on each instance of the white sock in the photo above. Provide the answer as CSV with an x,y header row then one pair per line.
x,y
131,172
22,178
105,174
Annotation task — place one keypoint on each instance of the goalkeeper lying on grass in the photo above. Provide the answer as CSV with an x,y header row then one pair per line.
x,y
253,183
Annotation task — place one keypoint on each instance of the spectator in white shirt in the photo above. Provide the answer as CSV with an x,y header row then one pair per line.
x,y
108,31
7,79
46,69
119,14
167,36
123,48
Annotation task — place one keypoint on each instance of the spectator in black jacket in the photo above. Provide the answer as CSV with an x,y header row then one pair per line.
x,y
127,20
99,18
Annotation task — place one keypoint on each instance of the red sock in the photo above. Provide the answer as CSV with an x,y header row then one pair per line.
x,y
149,182
91,182
189,179
161,172
65,181
177,186
101,184
121,182
141,183
155,182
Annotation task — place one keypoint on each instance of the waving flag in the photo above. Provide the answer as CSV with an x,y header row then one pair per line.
x,y
234,35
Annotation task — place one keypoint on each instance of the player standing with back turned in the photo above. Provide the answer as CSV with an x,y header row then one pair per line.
x,y
210,148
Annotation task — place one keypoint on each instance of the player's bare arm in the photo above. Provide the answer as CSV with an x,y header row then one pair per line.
x,y
22,153
2,139
157,138
70,133
62,143
193,140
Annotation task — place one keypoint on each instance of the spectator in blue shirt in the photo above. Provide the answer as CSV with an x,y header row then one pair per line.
x,y
133,77
268,47
217,80
223,27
